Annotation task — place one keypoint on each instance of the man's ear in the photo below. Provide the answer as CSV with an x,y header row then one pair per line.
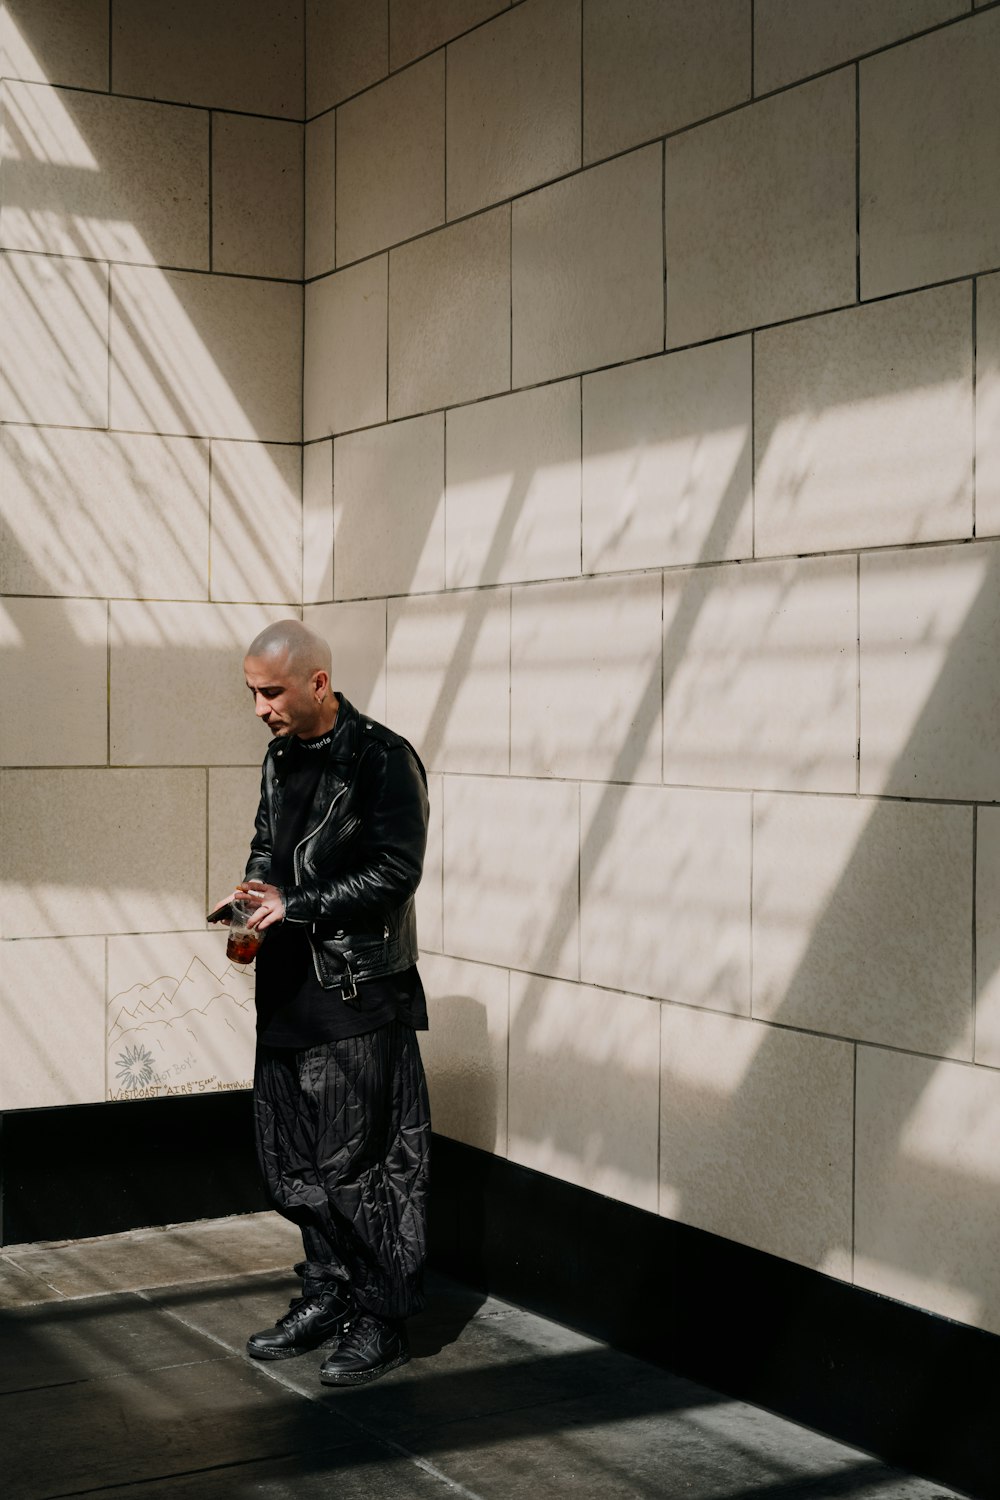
x,y
321,684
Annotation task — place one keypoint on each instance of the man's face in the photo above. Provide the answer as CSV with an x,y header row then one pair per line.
x,y
285,700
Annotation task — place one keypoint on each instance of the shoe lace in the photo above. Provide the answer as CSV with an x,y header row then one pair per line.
x,y
359,1334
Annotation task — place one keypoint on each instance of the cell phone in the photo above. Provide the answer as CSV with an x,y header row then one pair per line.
x,y
222,914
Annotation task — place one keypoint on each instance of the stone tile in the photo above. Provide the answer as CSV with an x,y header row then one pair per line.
x,y
388,509
792,40
465,1050
585,679
862,920
355,1470
448,678
755,1122
665,893
760,675
449,315
930,678
257,187
513,487
53,1004
53,341
390,162
864,425
658,66
930,119
584,1086
55,41
346,317
233,795
256,521
587,269
667,460
234,54
20,1289
56,654
56,827
139,176
217,356
429,891
317,523
418,26
987,936
988,406
347,49
320,196
200,713
513,104
927,1209
110,514
357,635
760,212
511,854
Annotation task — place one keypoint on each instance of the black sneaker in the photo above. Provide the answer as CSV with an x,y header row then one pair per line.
x,y
370,1348
308,1323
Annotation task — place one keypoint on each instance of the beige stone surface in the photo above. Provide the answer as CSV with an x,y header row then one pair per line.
x,y
233,795
448,676
793,38
390,162
344,382
92,851
657,65
232,54
756,1135
135,177
513,487
760,213
928,1208
55,41
106,514
54,659
930,674
665,893
256,522
667,460
587,269
862,920
356,632
511,857
988,406
513,104
584,1086
53,340
347,49
52,991
930,124
864,425
988,936
320,195
216,356
257,186
449,315
429,891
317,523
465,1051
178,695
585,682
418,26
388,509
760,675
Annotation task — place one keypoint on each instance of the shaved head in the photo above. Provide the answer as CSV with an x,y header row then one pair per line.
x,y
299,649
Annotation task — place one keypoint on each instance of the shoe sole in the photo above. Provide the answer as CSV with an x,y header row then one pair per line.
x,y
364,1377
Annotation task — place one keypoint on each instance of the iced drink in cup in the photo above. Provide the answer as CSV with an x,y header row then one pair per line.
x,y
243,940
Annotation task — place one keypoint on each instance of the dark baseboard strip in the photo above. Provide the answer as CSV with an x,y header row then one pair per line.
x,y
919,1391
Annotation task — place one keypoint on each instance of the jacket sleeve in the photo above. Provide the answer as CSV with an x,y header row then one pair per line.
x,y
390,853
259,863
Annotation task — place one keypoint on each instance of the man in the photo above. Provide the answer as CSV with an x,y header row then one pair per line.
x,y
342,1120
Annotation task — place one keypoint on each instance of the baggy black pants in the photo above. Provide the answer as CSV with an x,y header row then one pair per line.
x,y
343,1141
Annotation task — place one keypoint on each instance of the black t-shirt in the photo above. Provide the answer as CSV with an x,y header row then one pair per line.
x,y
293,1008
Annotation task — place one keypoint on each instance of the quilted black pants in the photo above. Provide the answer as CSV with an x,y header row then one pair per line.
x,y
343,1141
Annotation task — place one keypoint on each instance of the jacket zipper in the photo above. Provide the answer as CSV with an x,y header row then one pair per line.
x,y
348,986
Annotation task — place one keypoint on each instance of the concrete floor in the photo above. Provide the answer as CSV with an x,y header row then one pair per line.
x,y
122,1372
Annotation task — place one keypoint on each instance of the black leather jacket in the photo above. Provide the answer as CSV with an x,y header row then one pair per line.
x,y
359,862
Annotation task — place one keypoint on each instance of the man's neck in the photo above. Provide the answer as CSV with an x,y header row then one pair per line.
x,y
325,725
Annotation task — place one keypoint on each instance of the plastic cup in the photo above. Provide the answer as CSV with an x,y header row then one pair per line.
x,y
244,941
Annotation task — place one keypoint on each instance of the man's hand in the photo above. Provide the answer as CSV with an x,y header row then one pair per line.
x,y
270,907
